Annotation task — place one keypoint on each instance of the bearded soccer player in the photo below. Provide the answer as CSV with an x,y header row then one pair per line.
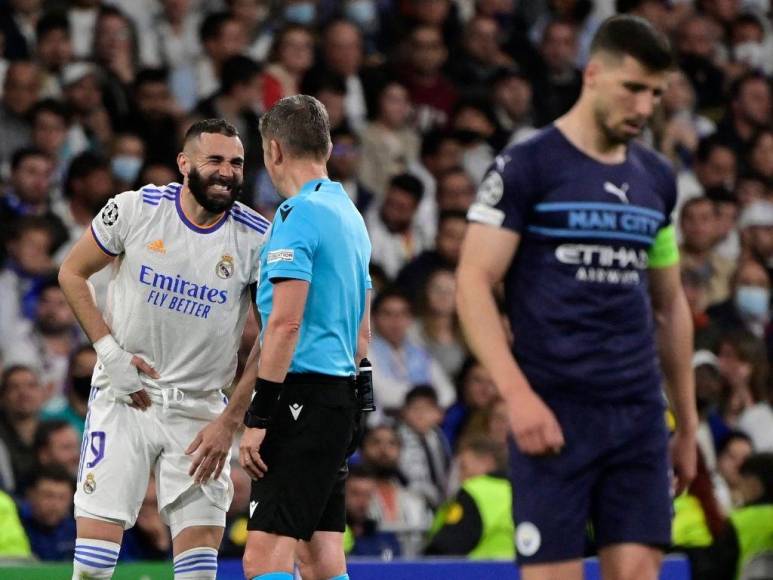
x,y
184,258
576,222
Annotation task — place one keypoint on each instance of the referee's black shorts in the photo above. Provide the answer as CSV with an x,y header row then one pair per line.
x,y
305,450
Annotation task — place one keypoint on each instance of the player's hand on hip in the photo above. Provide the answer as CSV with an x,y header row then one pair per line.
x,y
684,459
249,452
211,446
534,425
124,370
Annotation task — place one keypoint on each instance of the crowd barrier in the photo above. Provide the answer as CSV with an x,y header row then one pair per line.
x,y
674,568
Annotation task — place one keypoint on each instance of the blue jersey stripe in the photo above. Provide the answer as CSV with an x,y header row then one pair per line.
x,y
190,559
252,217
94,564
150,202
251,225
574,205
89,553
567,233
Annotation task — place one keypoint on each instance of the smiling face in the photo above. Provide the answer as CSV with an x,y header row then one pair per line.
x,y
624,95
213,168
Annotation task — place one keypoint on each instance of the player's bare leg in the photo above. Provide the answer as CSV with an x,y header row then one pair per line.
x,y
267,553
195,552
322,557
571,570
630,562
96,549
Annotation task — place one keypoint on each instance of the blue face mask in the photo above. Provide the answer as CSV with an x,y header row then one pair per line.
x,y
126,167
752,301
301,13
361,12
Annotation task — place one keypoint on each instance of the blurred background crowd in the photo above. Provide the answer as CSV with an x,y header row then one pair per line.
x,y
422,94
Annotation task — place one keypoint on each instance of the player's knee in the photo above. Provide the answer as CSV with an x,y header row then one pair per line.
x,y
94,559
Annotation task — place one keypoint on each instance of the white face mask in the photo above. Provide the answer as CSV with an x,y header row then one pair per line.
x,y
751,54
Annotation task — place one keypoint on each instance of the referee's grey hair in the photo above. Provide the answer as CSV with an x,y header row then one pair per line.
x,y
301,126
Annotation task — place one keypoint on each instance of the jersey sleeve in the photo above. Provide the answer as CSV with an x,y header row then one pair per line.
x,y
290,250
506,194
664,251
111,226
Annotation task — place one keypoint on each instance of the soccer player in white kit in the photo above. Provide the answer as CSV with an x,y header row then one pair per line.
x,y
184,258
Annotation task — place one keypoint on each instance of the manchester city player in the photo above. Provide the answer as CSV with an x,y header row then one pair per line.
x,y
183,258
576,222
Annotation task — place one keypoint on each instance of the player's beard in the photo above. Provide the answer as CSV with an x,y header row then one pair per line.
x,y
199,186
611,135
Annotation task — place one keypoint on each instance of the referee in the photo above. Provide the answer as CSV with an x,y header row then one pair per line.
x,y
313,301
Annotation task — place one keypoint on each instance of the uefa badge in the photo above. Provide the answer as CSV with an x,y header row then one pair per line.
x,y
225,267
90,485
110,213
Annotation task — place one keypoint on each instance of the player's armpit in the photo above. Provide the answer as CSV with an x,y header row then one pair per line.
x,y
86,257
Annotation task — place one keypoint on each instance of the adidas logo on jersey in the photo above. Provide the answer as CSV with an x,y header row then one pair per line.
x,y
157,246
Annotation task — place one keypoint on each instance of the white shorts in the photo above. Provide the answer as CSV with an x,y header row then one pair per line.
x,y
121,445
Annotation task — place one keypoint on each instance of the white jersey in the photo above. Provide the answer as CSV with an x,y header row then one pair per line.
x,y
179,293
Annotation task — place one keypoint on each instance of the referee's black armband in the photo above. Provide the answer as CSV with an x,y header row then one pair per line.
x,y
263,404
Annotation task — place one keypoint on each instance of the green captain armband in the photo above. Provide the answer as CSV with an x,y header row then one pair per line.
x,y
664,251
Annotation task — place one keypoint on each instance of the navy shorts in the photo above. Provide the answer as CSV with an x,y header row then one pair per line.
x,y
613,473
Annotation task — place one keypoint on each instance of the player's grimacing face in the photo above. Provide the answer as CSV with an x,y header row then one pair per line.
x,y
626,95
216,171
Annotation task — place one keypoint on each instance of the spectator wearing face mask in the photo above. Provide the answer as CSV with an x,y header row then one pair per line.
x,y
77,391
126,159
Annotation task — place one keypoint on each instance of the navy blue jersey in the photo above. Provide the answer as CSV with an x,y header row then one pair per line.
x,y
577,291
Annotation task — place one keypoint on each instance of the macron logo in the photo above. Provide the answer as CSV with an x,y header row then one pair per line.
x,y
296,409
620,193
253,505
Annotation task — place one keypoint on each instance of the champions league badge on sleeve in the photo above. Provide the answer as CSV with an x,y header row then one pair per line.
x,y
110,213
225,267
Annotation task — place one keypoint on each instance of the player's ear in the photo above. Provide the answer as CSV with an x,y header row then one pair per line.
x,y
591,72
183,164
276,153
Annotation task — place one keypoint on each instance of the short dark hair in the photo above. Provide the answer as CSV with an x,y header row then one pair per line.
x,y
45,431
692,202
51,21
57,473
8,372
733,436
421,392
760,465
52,106
211,26
25,152
750,77
408,183
82,166
151,75
238,70
300,124
388,294
634,36
218,126
434,140
707,145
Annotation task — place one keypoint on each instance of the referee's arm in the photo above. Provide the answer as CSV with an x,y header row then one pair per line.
x,y
282,328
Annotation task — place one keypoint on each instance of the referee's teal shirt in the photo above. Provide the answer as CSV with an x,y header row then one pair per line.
x,y
319,236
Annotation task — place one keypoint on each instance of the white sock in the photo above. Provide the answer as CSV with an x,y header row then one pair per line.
x,y
196,564
94,559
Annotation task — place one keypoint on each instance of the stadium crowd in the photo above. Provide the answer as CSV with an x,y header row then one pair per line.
x,y
422,94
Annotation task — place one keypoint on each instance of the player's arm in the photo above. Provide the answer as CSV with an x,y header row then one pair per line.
x,y
86,258
486,254
212,444
675,345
